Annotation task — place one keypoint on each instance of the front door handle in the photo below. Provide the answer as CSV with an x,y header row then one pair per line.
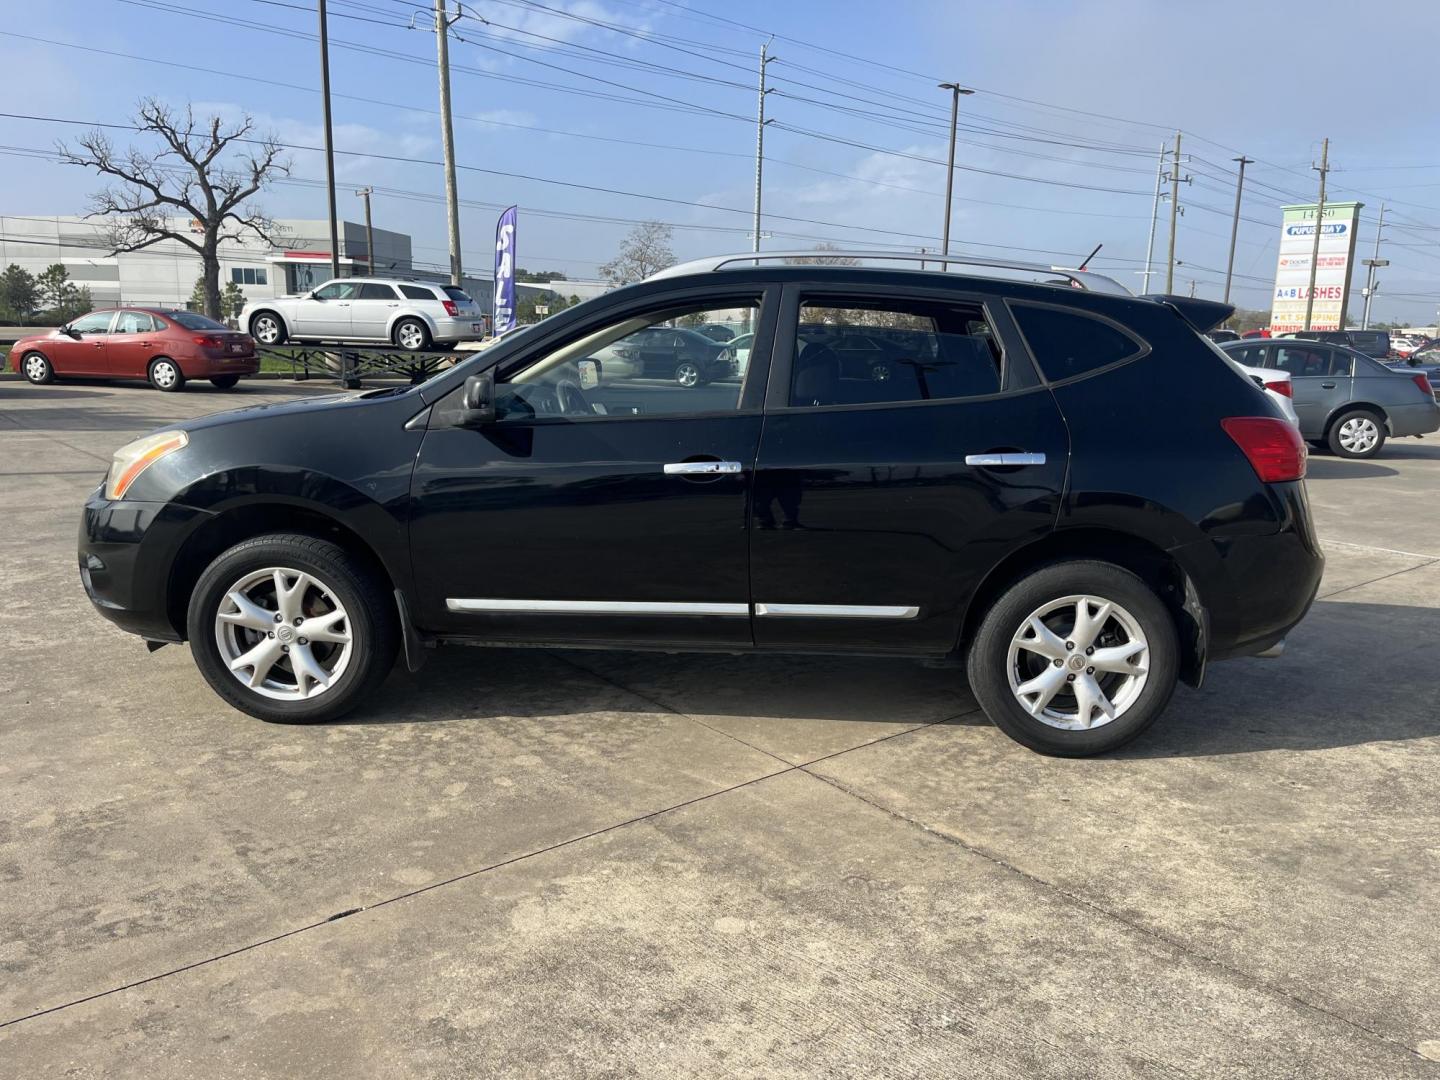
x,y
702,468
1327,386
1000,460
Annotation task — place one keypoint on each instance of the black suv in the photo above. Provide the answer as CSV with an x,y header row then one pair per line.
x,y
1019,484
1373,343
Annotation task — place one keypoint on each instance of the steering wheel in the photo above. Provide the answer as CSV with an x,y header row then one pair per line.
x,y
572,399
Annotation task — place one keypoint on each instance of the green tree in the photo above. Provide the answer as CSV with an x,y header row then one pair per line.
x,y
197,295
18,293
77,303
231,300
53,287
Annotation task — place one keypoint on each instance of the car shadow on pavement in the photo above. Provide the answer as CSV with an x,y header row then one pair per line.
x,y
1318,468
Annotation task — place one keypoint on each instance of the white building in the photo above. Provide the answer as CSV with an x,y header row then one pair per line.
x,y
164,274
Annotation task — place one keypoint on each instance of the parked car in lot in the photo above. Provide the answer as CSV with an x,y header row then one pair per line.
x,y
716,331
165,347
740,351
1372,343
414,315
1011,495
668,352
1220,335
1276,385
1402,347
1346,401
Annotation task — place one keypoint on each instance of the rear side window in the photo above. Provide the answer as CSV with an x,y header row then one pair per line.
x,y
1067,343
192,321
863,352
375,291
416,292
1250,355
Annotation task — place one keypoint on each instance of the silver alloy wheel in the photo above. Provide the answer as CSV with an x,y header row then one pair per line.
x,y
266,329
1076,657
284,634
1359,434
35,366
687,374
411,335
165,374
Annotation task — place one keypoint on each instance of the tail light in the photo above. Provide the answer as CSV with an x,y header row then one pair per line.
x,y
1273,447
451,308
1423,382
209,341
1280,386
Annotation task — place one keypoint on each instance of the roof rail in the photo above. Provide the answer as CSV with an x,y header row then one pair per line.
x,y
1078,279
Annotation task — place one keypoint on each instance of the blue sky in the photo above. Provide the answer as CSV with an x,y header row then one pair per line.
x,y
1073,101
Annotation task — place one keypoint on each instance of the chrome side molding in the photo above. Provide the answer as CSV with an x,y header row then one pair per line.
x,y
836,611
993,460
597,607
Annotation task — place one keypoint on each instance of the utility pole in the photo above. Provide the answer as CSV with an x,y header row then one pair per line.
x,y
1192,288
955,91
365,194
1235,222
1323,168
447,135
329,142
1154,216
1174,215
1371,265
760,123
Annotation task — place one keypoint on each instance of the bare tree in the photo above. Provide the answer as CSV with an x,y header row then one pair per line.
x,y
201,175
822,259
644,252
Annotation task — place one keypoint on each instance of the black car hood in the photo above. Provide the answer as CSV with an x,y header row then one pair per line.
x,y
321,403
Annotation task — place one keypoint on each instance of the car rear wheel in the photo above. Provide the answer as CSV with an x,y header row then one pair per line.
x,y
267,329
1358,433
37,369
165,374
1076,658
225,382
412,334
687,374
291,628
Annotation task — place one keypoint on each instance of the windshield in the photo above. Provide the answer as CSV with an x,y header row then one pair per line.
x,y
191,321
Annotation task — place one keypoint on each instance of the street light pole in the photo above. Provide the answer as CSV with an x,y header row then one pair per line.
x,y
365,194
1371,265
955,91
1154,215
1323,168
329,142
1235,222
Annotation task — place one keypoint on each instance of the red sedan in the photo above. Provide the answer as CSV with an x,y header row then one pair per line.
x,y
161,346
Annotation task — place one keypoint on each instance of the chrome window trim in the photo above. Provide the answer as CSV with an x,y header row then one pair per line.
x,y
595,607
837,611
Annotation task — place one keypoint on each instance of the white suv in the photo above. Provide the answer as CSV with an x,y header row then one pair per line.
x,y
414,315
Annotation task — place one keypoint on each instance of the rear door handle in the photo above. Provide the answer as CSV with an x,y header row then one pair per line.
x,y
993,460
702,468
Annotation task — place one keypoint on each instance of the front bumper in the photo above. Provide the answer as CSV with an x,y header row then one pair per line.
x,y
126,551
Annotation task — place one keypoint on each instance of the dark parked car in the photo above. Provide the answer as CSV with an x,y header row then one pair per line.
x,y
1015,493
717,332
1220,336
162,346
1346,401
1372,343
669,352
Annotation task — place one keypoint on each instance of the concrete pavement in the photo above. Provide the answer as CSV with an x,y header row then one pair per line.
x,y
615,864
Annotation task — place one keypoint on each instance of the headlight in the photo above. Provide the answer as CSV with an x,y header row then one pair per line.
x,y
134,458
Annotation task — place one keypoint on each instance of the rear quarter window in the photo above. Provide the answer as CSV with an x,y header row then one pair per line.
x,y
1066,342
416,292
459,295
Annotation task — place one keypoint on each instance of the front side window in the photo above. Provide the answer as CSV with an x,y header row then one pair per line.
x,y
338,290
96,323
655,364
1067,343
878,352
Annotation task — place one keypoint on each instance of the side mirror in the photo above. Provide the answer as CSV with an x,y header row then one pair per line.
x,y
477,400
69,331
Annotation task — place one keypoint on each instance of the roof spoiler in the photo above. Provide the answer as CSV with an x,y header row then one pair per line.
x,y
1203,315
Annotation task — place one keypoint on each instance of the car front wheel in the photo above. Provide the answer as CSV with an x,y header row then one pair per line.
x,y
1076,658
37,369
165,374
291,628
1357,434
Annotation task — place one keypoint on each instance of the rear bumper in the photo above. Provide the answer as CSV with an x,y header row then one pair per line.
x,y
1256,587
1419,419
208,367
462,329
126,550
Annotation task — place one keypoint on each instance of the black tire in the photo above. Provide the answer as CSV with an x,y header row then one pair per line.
x,y
37,369
371,623
989,657
267,324
1342,440
165,374
417,325
225,382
